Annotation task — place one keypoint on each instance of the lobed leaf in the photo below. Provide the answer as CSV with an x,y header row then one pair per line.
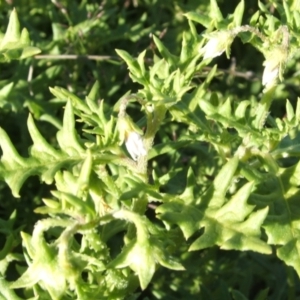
x,y
282,224
44,160
230,224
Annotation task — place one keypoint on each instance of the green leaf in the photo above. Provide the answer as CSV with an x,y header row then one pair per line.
x,y
170,58
130,61
94,93
12,34
15,45
67,136
41,148
44,161
188,193
66,96
6,227
282,225
45,269
240,111
13,167
238,13
215,12
140,259
262,7
187,217
141,61
5,291
289,111
230,224
142,253
215,195
28,52
233,226
225,109
25,38
199,18
287,13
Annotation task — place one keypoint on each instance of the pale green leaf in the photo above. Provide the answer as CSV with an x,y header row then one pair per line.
x,y
67,136
199,18
12,34
238,13
6,293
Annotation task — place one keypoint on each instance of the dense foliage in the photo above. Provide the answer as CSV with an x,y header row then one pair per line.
x,y
150,149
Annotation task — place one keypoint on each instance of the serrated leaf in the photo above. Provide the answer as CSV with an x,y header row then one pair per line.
x,y
289,253
232,234
282,225
67,136
229,224
139,257
44,160
215,195
45,269
241,109
10,155
40,146
225,109
236,208
14,168
207,107
187,217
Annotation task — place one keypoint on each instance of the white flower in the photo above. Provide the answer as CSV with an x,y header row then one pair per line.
x,y
217,44
274,65
270,75
211,49
135,146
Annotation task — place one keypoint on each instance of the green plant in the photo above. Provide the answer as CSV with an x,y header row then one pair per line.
x,y
147,192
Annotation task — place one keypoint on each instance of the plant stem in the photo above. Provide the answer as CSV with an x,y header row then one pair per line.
x,y
154,121
263,108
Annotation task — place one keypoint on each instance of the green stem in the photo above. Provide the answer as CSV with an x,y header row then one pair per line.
x,y
136,220
263,108
248,28
6,291
154,121
109,182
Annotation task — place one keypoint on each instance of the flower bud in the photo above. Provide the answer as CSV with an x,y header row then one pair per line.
x,y
274,64
218,42
135,146
132,136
